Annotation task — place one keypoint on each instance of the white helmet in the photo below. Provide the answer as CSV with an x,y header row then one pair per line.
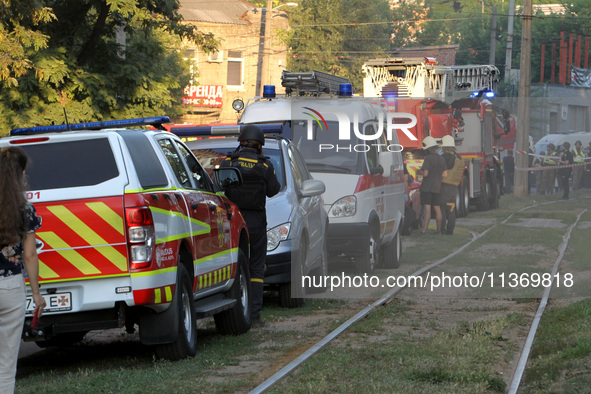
x,y
448,142
429,142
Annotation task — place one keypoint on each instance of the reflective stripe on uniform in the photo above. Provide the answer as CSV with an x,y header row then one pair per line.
x,y
578,157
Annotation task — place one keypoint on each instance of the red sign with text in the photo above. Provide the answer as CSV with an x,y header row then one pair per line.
x,y
204,96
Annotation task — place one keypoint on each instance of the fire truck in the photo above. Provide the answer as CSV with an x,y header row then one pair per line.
x,y
447,100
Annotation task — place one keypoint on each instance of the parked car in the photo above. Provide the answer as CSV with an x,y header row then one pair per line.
x,y
134,233
296,219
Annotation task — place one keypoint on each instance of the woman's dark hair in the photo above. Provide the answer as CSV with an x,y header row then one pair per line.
x,y
13,162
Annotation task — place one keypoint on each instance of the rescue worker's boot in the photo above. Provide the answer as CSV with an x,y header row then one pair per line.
x,y
256,305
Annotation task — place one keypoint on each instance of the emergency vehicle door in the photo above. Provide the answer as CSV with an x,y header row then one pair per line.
x,y
213,253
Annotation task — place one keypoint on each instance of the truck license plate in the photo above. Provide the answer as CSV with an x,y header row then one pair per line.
x,y
57,302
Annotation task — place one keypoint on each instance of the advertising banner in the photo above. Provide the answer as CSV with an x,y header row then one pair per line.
x,y
204,96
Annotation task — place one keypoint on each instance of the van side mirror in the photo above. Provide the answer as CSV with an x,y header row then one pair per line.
x,y
227,177
379,170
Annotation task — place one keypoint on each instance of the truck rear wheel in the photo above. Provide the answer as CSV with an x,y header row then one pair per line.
x,y
459,199
496,192
484,203
236,321
466,196
186,343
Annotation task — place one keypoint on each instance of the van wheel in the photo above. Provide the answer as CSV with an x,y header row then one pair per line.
x,y
366,263
186,342
236,321
392,252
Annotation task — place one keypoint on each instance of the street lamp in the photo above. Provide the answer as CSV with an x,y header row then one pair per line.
x,y
265,72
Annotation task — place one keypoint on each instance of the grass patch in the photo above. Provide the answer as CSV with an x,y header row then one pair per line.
x,y
561,354
459,360
129,367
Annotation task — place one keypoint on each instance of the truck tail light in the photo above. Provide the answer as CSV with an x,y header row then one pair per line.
x,y
141,238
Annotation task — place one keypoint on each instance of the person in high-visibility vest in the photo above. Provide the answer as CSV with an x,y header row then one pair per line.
x,y
566,160
579,158
549,177
540,187
449,184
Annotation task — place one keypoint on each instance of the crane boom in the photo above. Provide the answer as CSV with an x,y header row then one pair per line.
x,y
423,77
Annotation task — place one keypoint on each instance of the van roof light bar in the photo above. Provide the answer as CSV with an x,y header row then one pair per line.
x,y
233,130
315,82
155,121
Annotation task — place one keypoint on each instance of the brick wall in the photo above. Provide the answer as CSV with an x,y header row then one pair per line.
x,y
246,44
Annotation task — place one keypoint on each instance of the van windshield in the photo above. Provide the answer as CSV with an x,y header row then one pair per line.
x,y
325,152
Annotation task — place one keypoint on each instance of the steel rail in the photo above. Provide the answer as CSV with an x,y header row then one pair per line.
x,y
343,327
268,383
541,308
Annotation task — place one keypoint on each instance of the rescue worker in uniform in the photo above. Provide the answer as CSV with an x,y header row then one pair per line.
x,y
433,171
259,182
550,171
449,184
540,187
579,158
566,159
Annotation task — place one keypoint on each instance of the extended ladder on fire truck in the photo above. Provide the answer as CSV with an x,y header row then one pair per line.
x,y
315,82
422,77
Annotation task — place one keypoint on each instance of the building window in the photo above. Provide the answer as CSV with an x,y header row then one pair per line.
x,y
235,69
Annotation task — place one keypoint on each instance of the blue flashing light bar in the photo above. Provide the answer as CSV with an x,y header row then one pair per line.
x,y
269,91
151,121
489,94
345,90
233,130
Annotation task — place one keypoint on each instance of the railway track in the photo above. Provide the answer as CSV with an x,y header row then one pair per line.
x,y
394,291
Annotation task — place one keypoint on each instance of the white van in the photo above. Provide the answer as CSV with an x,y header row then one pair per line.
x,y
344,145
560,138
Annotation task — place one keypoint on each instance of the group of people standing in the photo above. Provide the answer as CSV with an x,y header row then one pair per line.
x,y
441,176
558,167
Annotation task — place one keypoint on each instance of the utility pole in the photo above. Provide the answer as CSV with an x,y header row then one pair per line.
x,y
266,45
522,143
493,36
509,53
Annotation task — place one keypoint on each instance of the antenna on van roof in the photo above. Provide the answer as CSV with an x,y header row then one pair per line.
x,y
315,82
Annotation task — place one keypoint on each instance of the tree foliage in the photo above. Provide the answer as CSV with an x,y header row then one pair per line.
x,y
64,54
338,36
